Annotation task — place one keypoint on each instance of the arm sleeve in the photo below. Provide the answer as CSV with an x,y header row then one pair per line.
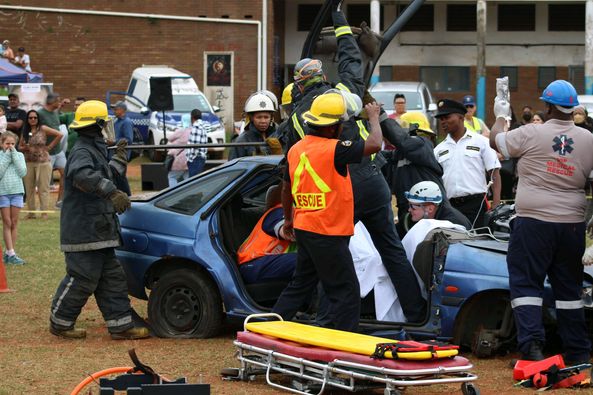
x,y
86,178
128,132
348,152
5,160
349,55
516,140
490,158
20,164
274,219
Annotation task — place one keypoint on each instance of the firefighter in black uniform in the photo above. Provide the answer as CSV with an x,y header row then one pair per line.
x,y
89,232
372,196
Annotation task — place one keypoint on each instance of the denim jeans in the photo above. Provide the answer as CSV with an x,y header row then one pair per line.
x,y
196,166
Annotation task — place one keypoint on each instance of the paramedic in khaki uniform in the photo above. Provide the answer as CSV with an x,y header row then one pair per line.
x,y
324,211
466,157
548,234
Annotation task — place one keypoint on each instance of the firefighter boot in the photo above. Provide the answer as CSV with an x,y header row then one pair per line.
x,y
534,352
131,334
73,333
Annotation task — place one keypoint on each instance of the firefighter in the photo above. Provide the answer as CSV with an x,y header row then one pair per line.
x,y
548,234
90,232
323,221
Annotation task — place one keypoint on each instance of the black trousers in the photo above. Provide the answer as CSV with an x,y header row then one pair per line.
x,y
89,273
372,206
473,207
326,259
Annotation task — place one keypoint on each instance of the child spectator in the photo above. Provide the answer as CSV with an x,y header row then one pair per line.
x,y
3,122
12,170
22,59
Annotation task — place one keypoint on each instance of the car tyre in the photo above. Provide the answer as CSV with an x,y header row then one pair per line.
x,y
185,303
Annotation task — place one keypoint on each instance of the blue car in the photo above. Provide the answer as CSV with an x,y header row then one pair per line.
x,y
181,244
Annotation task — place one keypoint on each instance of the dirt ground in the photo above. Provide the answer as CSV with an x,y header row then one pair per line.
x,y
32,361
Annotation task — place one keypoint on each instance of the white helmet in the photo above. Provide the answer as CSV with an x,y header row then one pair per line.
x,y
259,102
425,192
272,97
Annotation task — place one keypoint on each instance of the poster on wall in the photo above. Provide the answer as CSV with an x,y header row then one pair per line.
x,y
218,87
31,96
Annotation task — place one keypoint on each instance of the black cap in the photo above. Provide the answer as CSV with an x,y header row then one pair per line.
x,y
448,106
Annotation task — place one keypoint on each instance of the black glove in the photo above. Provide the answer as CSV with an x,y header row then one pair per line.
x,y
121,201
121,153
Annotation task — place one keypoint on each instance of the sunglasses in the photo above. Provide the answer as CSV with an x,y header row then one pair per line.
x,y
469,106
32,117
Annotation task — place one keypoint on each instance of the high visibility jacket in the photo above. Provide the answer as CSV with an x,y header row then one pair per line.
x,y
259,243
474,125
323,197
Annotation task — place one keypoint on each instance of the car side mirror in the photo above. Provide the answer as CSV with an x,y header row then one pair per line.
x,y
144,110
216,108
432,107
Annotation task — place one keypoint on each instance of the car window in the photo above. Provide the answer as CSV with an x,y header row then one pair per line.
x,y
186,103
132,86
192,197
413,100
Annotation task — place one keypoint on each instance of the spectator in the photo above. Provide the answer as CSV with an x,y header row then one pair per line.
x,y
538,118
22,59
582,119
3,123
196,157
12,169
48,116
124,129
36,146
527,115
399,106
15,117
471,123
179,171
66,118
7,53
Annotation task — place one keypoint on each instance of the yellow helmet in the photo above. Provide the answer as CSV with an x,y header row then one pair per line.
x,y
287,94
327,109
89,113
417,118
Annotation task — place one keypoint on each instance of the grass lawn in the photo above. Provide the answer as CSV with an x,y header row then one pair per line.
x,y
32,361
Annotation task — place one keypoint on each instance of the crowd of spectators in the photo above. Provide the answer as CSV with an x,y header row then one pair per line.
x,y
21,59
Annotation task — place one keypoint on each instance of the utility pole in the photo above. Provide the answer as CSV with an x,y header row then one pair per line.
x,y
589,47
481,58
376,27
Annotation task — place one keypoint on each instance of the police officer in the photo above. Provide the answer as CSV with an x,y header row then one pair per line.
x,y
548,234
467,159
427,202
89,232
324,211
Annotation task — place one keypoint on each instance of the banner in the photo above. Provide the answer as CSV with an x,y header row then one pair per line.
x,y
218,84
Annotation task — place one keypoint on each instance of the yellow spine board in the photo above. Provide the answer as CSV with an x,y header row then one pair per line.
x,y
337,340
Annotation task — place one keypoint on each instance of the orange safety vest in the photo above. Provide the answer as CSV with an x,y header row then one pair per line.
x,y
323,198
259,243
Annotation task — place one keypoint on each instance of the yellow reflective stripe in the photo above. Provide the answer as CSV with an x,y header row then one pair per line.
x,y
342,87
364,133
342,30
297,125
305,164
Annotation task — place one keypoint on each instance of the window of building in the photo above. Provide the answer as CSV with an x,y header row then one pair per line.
x,y
576,76
306,16
566,17
421,21
516,17
461,17
385,73
445,78
358,13
545,75
513,73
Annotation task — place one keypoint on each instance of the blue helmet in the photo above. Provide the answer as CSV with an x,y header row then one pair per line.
x,y
561,93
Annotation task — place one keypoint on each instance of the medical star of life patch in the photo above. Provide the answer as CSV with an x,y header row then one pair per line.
x,y
563,144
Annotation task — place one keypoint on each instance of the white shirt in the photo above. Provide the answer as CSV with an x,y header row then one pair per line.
x,y
465,164
26,60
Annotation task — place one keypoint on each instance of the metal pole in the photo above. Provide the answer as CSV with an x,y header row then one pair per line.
x,y
481,58
170,146
375,27
589,47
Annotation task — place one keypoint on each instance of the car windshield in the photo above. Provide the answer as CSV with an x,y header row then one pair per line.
x,y
192,197
186,103
413,99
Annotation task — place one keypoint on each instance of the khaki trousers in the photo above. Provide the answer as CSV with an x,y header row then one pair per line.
x,y
38,175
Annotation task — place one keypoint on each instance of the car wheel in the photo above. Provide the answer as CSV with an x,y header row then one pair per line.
x,y
185,303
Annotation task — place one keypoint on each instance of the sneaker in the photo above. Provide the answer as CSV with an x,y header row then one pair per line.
x,y
131,334
74,333
14,260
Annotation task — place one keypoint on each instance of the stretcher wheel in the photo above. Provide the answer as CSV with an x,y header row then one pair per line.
x,y
469,389
230,373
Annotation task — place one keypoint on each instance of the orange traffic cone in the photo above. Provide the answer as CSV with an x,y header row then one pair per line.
x,y
3,282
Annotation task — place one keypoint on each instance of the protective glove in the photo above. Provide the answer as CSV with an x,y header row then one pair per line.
x,y
121,154
502,108
275,146
588,256
120,200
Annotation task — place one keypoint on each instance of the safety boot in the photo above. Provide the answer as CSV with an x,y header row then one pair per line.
x,y
131,334
534,352
74,333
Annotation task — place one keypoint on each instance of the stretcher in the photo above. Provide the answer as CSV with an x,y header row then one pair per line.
x,y
288,362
